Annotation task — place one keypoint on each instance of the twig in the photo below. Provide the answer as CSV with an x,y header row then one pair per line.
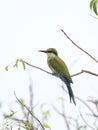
x,y
16,119
79,47
86,122
65,118
96,116
31,96
80,101
84,71
56,110
31,99
30,112
75,121
19,120
78,73
63,115
37,67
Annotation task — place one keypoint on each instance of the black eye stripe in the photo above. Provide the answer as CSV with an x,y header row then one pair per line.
x,y
52,52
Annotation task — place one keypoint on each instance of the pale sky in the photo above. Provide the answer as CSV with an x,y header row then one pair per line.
x,y
29,26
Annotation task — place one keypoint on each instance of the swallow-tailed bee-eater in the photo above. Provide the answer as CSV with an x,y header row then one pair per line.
x,y
59,69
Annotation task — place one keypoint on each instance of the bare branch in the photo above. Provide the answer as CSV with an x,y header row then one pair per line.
x,y
56,110
96,116
84,71
67,120
19,120
80,101
37,67
79,47
31,96
78,73
86,122
63,115
30,112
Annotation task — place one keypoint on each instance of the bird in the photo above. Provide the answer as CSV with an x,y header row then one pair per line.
x,y
59,69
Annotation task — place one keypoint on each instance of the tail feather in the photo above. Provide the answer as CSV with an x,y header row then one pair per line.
x,y
71,95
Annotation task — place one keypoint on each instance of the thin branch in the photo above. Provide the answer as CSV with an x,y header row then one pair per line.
x,y
79,47
96,116
66,118
37,67
30,112
78,73
74,121
56,110
80,101
31,96
19,120
86,122
84,71
63,115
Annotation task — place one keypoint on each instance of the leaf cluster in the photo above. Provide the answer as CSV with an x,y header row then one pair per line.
x,y
94,6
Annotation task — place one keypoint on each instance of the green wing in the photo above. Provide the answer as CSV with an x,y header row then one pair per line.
x,y
57,65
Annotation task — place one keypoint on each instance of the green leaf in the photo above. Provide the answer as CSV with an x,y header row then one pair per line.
x,y
46,114
42,105
16,63
27,124
46,126
95,8
9,115
19,60
60,98
91,4
6,68
23,63
83,127
18,129
21,100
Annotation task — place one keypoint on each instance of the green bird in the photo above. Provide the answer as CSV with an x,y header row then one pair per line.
x,y
59,69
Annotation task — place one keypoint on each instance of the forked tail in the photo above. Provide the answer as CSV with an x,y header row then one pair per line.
x,y
71,95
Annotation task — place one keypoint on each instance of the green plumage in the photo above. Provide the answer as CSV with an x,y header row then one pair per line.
x,y
56,64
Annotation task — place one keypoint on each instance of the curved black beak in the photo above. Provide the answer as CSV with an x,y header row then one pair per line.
x,y
42,51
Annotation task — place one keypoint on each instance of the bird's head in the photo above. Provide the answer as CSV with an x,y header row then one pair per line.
x,y
50,51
